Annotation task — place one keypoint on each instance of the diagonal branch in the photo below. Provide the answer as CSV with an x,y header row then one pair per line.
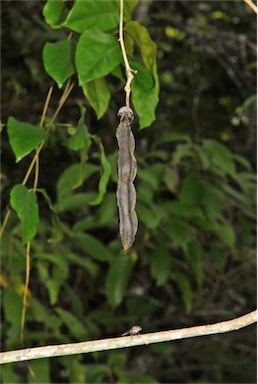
x,y
251,5
129,341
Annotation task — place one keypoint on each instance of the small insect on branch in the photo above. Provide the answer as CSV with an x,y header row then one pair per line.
x,y
135,330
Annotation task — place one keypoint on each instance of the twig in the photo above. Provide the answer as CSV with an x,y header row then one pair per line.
x,y
129,70
125,342
25,293
251,5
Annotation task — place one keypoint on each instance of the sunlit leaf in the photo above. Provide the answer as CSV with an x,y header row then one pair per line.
x,y
145,100
97,53
57,59
147,47
24,137
53,11
88,14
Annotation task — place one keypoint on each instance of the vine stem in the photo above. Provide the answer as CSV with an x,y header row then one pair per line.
x,y
62,100
130,341
26,290
128,69
251,5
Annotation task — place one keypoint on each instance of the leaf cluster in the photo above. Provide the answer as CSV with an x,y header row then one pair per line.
x,y
193,260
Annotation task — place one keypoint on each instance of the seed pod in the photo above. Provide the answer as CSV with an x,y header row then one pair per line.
x,y
126,194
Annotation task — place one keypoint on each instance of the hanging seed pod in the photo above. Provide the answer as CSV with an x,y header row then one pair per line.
x,y
126,194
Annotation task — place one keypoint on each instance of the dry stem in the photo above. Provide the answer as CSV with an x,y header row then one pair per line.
x,y
129,70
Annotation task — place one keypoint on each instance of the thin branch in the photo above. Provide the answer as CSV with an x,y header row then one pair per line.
x,y
43,116
128,69
251,5
66,93
128,341
8,213
25,293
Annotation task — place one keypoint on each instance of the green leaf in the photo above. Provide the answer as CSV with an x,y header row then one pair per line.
x,y
57,225
105,215
98,95
191,190
106,172
129,6
220,157
72,202
76,328
24,137
73,177
152,175
88,14
141,378
179,232
57,59
147,216
218,255
194,256
145,100
117,279
82,138
91,246
55,279
12,307
226,234
40,313
92,267
185,289
183,209
242,161
182,150
160,264
143,76
24,202
53,11
212,200
41,370
171,179
148,48
171,137
97,53
8,374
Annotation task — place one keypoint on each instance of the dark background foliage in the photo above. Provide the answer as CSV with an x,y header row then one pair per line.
x,y
187,269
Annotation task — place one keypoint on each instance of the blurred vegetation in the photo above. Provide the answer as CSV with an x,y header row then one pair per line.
x,y
193,261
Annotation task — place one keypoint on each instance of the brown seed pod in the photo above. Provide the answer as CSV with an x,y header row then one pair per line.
x,y
127,168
